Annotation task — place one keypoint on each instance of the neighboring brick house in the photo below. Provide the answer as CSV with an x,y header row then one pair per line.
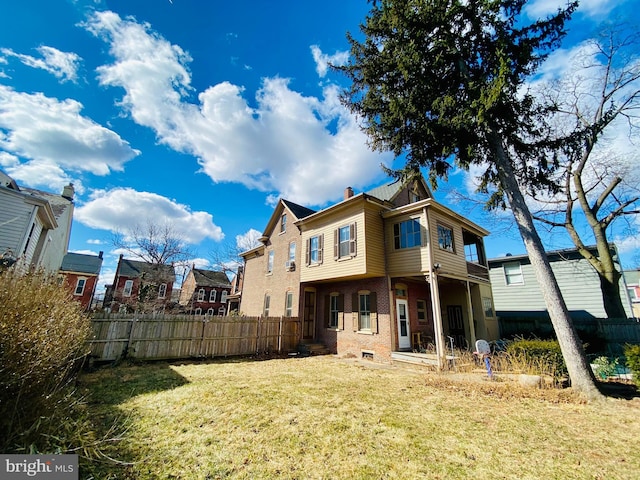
x,y
204,292
140,286
36,226
233,299
373,270
80,275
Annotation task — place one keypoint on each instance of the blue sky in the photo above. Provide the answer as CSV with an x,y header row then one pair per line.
x,y
201,113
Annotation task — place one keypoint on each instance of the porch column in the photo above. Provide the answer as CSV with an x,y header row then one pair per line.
x,y
472,326
437,319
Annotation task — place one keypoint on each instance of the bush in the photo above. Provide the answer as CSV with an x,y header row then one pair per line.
x,y
632,354
542,357
43,338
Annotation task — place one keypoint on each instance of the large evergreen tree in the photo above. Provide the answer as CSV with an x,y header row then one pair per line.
x,y
440,81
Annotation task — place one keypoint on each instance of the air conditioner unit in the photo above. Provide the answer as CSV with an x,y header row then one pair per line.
x,y
290,266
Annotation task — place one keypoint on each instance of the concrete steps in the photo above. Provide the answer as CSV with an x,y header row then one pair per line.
x,y
310,349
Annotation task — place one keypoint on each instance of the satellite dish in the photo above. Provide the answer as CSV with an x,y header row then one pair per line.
x,y
482,347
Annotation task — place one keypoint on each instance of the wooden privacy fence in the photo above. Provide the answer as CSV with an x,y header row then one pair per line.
x,y
163,337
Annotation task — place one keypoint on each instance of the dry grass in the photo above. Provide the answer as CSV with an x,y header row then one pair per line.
x,y
328,418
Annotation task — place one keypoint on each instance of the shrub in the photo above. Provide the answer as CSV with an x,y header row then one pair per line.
x,y
43,336
538,356
632,354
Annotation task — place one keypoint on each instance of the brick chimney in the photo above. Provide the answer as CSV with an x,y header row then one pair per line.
x,y
348,193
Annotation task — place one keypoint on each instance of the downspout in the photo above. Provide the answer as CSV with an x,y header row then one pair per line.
x,y
432,278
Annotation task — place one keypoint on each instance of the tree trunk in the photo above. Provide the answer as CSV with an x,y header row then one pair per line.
x,y
610,287
580,373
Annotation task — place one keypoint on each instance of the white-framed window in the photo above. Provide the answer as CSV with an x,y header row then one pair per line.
x,y
407,234
210,312
471,253
80,286
414,197
344,241
288,305
162,290
445,238
283,223
223,297
364,310
513,273
314,250
270,261
222,311
422,311
487,306
128,288
267,303
212,295
334,310
201,294
292,251
198,311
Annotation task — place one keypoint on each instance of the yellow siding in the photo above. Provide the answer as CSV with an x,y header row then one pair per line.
x,y
450,263
369,259
408,261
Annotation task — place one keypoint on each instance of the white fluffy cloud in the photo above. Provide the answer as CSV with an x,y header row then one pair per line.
x,y
590,8
56,139
287,144
323,60
63,65
121,209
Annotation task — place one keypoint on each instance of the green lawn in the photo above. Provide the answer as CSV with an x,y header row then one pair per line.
x,y
327,418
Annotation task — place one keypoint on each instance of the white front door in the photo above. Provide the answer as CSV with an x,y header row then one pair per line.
x,y
404,335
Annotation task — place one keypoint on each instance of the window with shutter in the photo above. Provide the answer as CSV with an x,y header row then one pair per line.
x,y
344,242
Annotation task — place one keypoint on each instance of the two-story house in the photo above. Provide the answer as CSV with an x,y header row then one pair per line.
x,y
374,271
140,286
80,273
205,292
36,226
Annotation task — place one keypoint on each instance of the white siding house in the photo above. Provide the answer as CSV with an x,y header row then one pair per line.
x,y
517,294
35,225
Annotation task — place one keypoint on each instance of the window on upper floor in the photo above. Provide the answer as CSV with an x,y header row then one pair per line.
x,y
344,241
128,288
212,295
223,296
283,223
80,286
414,197
407,234
201,294
314,250
513,273
445,238
292,251
162,290
270,261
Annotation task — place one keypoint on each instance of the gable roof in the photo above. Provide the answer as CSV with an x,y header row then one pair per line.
x,y
389,191
298,211
135,269
210,278
81,263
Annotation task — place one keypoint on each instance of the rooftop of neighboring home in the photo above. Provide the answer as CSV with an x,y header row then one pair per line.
x,y
82,263
135,268
210,278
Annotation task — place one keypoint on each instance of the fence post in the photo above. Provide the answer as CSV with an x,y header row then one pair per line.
x,y
280,336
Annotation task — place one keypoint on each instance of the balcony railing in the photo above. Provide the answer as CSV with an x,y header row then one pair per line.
x,y
477,270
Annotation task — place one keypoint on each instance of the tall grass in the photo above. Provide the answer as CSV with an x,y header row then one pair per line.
x,y
43,338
